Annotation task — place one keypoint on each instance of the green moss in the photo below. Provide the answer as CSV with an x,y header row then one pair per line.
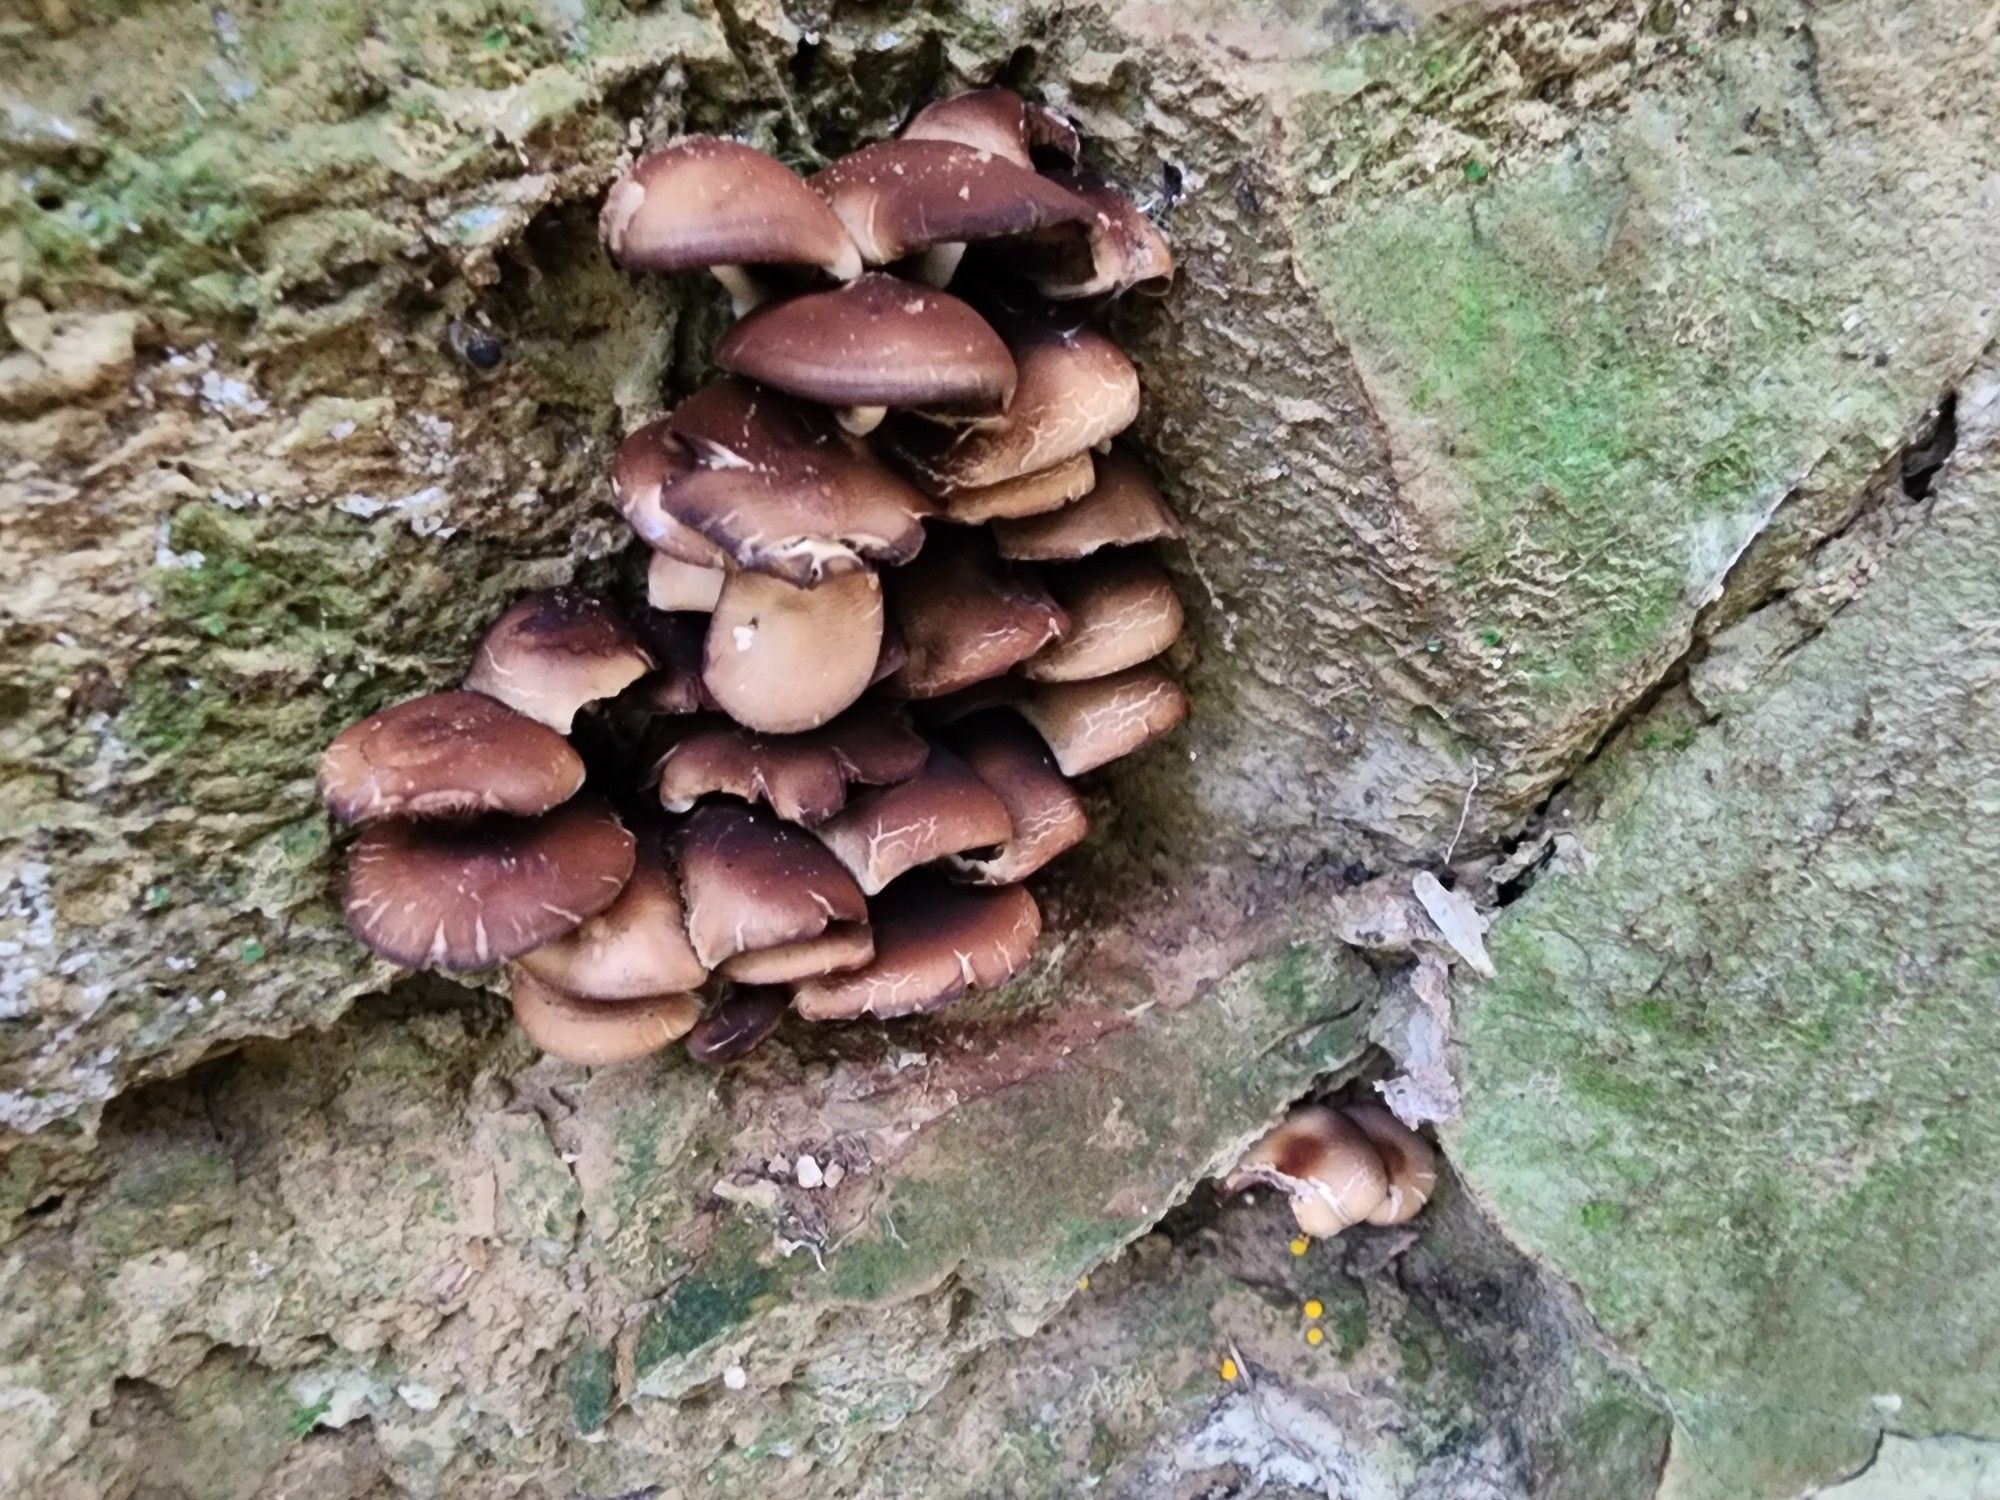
x,y
724,1291
590,1381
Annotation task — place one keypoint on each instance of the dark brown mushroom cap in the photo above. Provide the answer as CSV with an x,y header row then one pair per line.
x,y
964,619
702,201
674,641
781,659
943,810
738,1024
1125,250
843,946
1122,509
991,120
753,882
1033,494
447,755
933,942
1089,724
802,526
899,197
734,423
554,651
1047,815
598,1033
877,341
648,462
636,946
803,778
1122,610
461,896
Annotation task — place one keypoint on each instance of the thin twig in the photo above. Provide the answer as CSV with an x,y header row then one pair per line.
x,y
1464,811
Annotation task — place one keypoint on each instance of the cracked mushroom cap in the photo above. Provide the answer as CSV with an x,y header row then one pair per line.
x,y
703,202
1030,495
964,619
1125,250
754,883
943,810
901,197
553,652
447,755
598,1033
781,659
637,946
738,1024
1047,816
876,342
1090,724
803,778
1326,1165
459,896
1075,389
933,943
1408,1160
799,526
650,461
1121,509
1122,611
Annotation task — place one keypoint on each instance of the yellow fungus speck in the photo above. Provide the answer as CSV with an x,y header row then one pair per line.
x,y
1083,1283
1315,1336
1314,1308
1227,1369
1299,1245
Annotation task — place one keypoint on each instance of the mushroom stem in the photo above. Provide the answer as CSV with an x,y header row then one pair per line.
x,y
744,291
861,420
937,265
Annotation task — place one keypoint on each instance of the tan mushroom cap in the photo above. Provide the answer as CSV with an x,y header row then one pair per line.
x,y
704,202
447,755
933,943
673,586
637,946
598,1033
1407,1158
1028,495
1326,1165
803,778
1125,250
753,882
943,810
737,1025
1047,815
1122,509
1122,611
459,896
554,651
843,946
991,120
900,197
1076,389
781,659
963,619
1090,724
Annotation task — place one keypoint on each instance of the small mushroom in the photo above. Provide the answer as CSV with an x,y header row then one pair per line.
x,y
1047,816
781,659
1122,509
875,343
803,778
1327,1166
933,943
738,1024
943,810
991,120
843,946
963,619
1089,724
447,755
1407,1160
1029,495
555,651
1125,251
1122,611
703,201
637,946
753,883
459,896
598,1033
676,586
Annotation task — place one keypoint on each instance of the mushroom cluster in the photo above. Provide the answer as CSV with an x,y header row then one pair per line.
x,y
1341,1167
897,596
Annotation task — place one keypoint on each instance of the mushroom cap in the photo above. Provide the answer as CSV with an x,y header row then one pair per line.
x,y
649,460
1325,1164
1125,250
637,946
803,778
459,896
1047,815
740,1022
1075,389
1089,724
944,809
1122,509
1122,611
753,882
673,586
554,651
447,755
933,942
899,197
877,341
781,659
1030,495
843,946
991,120
964,618
1407,1158
802,526
598,1033
703,201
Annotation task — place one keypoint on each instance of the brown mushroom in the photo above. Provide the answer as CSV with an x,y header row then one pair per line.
x,y
933,942
1046,814
964,619
555,651
754,883
706,202
803,778
1089,724
598,1033
447,755
801,526
781,659
738,1024
843,946
991,120
462,896
674,642
1122,611
1125,251
637,946
648,461
944,809
1028,495
1407,1160
1122,509
1324,1163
